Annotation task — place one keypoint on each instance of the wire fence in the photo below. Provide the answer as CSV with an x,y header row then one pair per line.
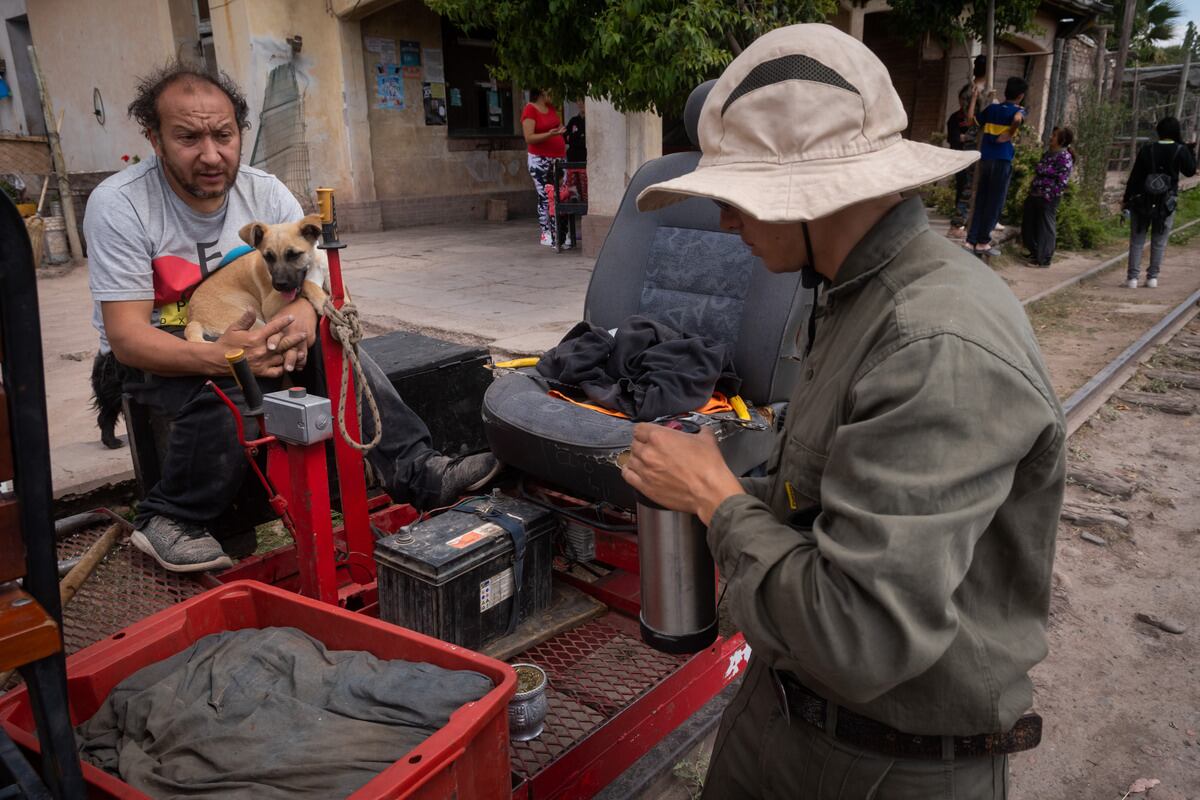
x,y
280,147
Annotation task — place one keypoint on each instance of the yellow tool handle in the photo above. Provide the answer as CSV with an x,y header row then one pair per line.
x,y
739,407
517,363
325,204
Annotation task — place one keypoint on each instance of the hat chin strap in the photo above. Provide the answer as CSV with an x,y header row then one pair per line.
x,y
810,279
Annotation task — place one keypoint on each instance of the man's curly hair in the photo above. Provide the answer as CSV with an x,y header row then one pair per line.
x,y
144,108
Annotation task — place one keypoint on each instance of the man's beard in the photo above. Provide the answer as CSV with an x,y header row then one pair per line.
x,y
193,188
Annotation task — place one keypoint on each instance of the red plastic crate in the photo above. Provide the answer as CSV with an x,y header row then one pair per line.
x,y
467,758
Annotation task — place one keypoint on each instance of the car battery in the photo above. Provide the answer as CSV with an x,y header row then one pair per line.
x,y
442,382
454,576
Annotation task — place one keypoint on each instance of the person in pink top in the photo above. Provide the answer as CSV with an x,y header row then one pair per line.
x,y
543,131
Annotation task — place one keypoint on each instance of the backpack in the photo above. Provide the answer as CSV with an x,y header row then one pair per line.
x,y
1156,200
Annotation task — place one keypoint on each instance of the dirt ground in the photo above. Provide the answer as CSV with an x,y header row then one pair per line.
x,y
1120,698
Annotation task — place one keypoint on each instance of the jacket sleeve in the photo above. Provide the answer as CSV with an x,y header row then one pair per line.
x,y
1186,162
865,599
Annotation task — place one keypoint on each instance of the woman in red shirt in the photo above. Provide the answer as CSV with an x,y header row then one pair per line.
x,y
544,140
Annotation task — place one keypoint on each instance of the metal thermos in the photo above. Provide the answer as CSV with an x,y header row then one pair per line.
x,y
679,580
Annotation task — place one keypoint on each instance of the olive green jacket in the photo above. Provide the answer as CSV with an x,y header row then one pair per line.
x,y
926,428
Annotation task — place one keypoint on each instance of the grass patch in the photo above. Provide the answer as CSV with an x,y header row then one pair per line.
x,y
690,773
1054,312
271,536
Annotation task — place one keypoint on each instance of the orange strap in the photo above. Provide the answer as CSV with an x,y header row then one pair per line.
x,y
715,405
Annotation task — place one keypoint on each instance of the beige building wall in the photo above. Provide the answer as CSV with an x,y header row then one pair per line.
x,y
87,45
415,160
250,39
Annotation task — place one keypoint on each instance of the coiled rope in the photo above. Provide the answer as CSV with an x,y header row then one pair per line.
x,y
345,327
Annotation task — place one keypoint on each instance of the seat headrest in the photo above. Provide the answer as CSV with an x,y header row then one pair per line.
x,y
691,112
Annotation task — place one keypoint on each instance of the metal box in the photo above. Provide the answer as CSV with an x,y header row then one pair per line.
x,y
298,417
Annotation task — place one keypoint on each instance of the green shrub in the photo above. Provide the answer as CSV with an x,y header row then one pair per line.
x,y
1083,224
939,197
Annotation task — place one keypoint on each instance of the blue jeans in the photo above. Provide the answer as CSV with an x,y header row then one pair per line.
x,y
989,202
1137,240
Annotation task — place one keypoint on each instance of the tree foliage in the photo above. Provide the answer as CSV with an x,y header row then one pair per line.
x,y
958,20
638,54
1154,22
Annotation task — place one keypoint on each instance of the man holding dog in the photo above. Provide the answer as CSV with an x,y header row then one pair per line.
x,y
892,569
154,231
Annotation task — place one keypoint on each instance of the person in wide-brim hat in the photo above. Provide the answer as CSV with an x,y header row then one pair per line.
x,y
891,571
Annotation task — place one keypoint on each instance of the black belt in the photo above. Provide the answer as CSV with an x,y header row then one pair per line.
x,y
868,734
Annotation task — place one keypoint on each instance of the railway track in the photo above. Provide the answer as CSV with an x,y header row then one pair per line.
x,y
1085,400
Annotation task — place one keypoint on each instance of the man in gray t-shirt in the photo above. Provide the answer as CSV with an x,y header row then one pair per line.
x,y
155,231
146,243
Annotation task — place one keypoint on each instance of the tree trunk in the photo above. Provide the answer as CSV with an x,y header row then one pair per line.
x,y
991,46
1123,49
1101,59
1183,77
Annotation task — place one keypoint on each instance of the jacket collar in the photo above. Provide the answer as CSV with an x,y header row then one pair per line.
x,y
881,244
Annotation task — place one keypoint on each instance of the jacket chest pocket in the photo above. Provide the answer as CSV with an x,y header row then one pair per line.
x,y
797,483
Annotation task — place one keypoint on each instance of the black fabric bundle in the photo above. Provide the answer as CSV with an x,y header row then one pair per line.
x,y
646,371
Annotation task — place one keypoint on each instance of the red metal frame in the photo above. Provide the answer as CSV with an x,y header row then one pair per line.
x,y
600,758
337,567
351,478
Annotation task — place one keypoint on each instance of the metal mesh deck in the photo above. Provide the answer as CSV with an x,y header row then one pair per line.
x,y
126,586
594,671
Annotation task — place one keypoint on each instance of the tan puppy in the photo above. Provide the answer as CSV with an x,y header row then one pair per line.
x,y
285,262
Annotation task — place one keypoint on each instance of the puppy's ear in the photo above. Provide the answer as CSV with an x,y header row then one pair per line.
x,y
310,227
253,233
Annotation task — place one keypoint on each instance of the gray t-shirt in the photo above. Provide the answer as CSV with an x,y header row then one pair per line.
x,y
145,243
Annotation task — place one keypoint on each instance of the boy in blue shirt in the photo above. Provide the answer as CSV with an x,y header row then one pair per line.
x,y
998,124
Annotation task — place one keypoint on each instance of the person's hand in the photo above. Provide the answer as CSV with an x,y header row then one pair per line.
x,y
561,129
265,361
304,320
680,471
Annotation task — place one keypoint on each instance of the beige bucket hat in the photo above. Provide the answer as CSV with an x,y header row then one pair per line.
x,y
803,123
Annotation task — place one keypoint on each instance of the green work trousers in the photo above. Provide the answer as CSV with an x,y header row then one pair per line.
x,y
758,754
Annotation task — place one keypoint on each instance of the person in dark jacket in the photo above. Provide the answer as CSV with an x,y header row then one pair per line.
x,y
961,133
1147,208
576,135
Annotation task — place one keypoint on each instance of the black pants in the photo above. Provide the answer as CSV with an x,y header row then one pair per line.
x,y
204,466
1039,227
962,196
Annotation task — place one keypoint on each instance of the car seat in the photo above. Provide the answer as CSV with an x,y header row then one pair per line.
x,y
676,266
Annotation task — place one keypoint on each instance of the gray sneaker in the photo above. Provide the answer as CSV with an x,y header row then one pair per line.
x,y
180,546
455,477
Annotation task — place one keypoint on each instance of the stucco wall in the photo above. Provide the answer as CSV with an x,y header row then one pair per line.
x,y
1081,75
251,39
99,44
412,159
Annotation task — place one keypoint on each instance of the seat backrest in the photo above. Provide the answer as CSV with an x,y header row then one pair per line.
x,y
677,266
